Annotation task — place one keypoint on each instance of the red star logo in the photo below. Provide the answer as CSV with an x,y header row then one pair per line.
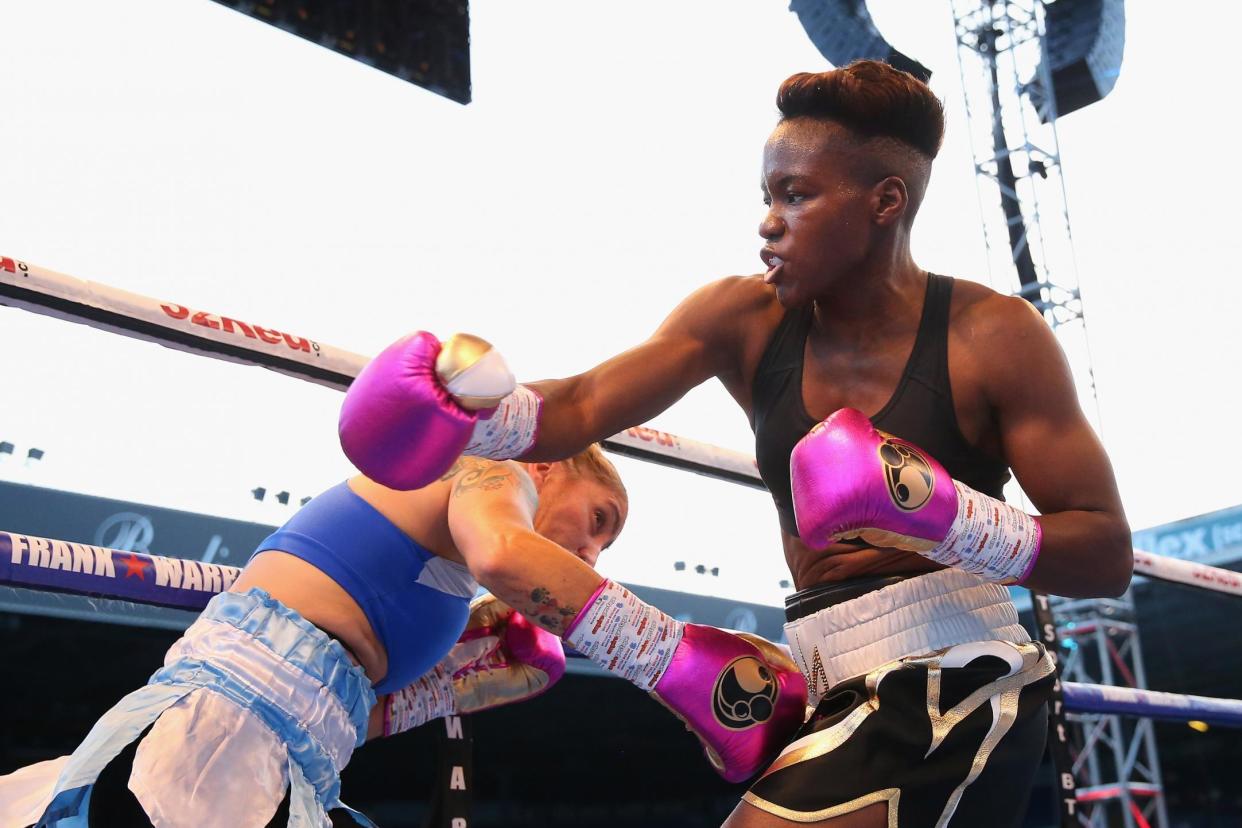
x,y
135,567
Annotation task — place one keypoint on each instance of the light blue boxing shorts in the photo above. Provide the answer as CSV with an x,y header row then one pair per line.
x,y
251,701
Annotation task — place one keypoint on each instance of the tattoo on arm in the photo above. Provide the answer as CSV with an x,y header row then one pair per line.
x,y
488,476
457,466
550,613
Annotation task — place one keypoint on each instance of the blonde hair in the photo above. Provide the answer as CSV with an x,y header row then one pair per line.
x,y
592,463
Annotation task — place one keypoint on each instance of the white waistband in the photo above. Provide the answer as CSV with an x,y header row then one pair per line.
x,y
912,617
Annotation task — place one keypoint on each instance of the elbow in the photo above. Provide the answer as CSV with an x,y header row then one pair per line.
x,y
1125,570
1119,548
492,561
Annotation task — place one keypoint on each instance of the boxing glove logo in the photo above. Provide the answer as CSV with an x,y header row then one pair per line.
x,y
745,694
907,475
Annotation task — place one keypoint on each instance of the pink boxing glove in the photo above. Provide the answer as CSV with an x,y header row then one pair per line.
x,y
501,658
741,695
850,480
412,410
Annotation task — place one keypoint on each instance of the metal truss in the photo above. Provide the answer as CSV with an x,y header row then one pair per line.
x,y
1114,758
1011,115
1011,118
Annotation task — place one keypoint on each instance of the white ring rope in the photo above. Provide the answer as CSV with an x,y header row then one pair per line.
x,y
49,293
1187,572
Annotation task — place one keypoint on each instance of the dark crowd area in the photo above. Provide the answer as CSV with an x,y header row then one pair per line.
x,y
595,751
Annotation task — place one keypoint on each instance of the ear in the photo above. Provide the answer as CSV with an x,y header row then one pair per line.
x,y
539,473
890,200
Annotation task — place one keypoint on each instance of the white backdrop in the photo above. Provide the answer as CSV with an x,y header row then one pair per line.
x,y
607,166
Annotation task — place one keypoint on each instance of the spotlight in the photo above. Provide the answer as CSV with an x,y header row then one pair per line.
x,y
702,570
283,497
259,492
304,501
680,566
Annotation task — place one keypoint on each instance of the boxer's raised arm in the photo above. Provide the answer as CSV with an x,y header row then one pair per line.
x,y
415,407
699,340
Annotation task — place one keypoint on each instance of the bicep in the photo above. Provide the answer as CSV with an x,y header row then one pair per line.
x,y
1054,452
691,346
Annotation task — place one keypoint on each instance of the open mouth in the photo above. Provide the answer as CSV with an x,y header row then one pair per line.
x,y
774,264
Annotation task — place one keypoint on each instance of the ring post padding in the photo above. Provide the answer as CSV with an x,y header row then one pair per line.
x,y
82,569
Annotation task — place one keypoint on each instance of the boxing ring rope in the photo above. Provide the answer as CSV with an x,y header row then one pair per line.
x,y
58,566
51,565
200,332
176,326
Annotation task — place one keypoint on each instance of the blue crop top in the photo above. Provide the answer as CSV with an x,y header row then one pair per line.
x,y
417,602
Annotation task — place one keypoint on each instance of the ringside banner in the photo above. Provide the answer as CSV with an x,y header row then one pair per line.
x,y
104,529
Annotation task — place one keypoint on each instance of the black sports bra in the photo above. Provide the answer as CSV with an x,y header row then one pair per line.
x,y
920,410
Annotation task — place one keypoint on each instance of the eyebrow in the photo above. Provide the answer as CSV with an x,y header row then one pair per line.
x,y
787,179
782,183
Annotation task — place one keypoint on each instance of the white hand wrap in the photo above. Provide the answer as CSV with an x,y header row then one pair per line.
x,y
430,697
511,430
626,636
989,538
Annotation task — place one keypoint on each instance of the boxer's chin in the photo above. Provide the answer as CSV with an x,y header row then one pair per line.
x,y
790,296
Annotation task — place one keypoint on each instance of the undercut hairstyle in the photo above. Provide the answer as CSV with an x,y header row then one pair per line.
x,y
872,100
592,463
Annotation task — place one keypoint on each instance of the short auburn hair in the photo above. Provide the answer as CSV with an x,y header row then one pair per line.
x,y
592,463
871,99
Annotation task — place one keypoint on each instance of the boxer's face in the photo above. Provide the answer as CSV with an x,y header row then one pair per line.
x,y
579,513
817,226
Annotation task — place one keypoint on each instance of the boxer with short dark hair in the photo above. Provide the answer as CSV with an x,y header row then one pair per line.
x,y
930,696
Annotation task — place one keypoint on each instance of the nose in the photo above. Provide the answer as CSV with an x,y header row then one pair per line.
x,y
771,228
589,552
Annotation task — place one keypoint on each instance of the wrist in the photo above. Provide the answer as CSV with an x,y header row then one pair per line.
x,y
511,429
429,697
989,538
625,635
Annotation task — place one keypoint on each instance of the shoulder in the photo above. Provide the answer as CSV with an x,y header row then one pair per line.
x,y
735,294
986,319
471,475
734,317
1007,343
724,310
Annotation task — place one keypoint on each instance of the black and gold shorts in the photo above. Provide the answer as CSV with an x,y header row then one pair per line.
x,y
952,738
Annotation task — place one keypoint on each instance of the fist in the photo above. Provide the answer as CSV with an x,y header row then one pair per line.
x,y
850,480
412,409
502,658
740,694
